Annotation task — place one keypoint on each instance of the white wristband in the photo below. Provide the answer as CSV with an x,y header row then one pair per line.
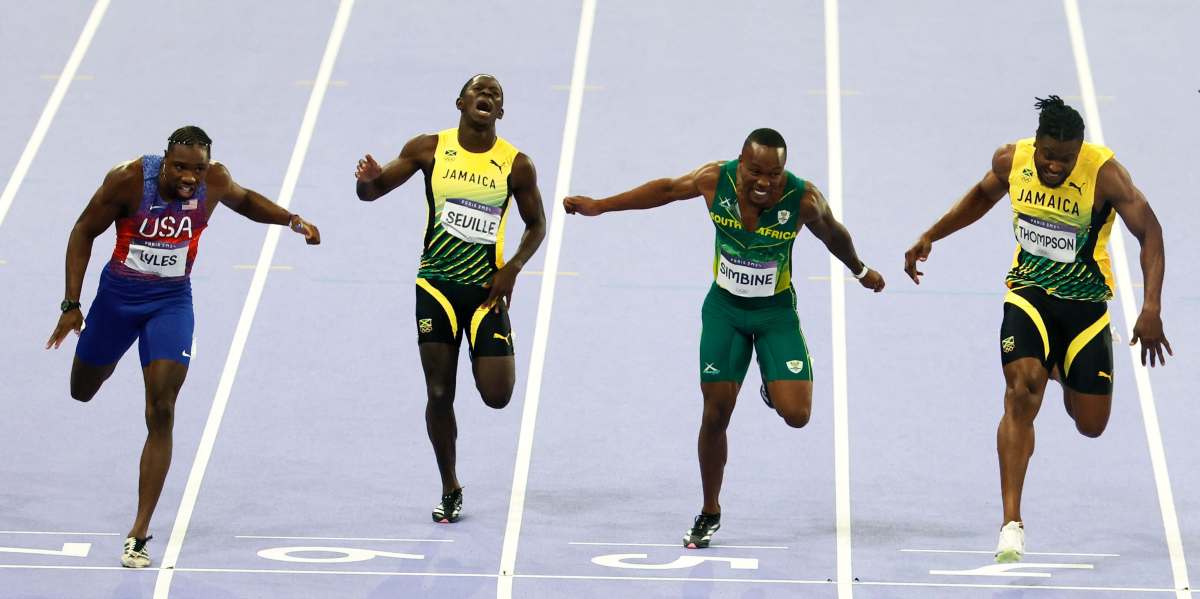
x,y
866,269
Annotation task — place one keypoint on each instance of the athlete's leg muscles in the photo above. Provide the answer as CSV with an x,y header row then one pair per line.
x,y
1089,410
1025,383
86,378
440,363
495,377
793,400
713,448
163,380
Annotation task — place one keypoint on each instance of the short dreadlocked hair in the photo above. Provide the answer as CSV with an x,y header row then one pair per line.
x,y
1057,120
766,137
190,135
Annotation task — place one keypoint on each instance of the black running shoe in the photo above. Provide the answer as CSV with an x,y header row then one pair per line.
x,y
449,509
702,531
762,390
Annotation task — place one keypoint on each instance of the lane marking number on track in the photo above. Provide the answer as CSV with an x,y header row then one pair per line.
x,y
68,550
1008,570
618,560
342,555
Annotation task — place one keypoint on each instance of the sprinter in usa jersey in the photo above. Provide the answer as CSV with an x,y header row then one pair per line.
x,y
161,204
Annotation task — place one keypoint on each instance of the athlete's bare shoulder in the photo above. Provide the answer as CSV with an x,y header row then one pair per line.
x,y
706,176
1002,160
420,148
123,180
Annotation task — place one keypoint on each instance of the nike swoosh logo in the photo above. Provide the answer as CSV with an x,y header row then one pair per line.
x,y
159,207
186,355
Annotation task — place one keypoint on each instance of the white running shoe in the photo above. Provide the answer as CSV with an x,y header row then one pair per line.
x,y
1011,547
135,554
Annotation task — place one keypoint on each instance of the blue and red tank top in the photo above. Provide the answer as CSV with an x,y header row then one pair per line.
x,y
158,243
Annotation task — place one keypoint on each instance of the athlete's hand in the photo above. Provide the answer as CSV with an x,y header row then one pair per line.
x,y
69,321
367,169
312,236
501,287
918,252
872,280
1149,330
582,205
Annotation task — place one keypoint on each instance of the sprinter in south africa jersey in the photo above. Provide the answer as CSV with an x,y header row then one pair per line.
x,y
464,284
161,205
758,208
1064,194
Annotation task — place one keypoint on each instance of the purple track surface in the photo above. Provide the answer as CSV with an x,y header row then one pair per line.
x,y
322,443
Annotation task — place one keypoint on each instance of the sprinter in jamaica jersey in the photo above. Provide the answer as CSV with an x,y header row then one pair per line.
x,y
464,285
1064,194
757,208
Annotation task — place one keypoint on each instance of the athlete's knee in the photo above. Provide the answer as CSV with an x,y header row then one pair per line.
x,y
83,392
1090,429
160,413
795,416
441,395
717,415
1023,398
496,398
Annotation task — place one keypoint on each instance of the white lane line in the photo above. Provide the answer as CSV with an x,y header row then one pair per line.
x,y
209,437
772,581
1158,454
676,545
837,293
541,334
60,534
982,552
77,77
254,266
56,98
344,539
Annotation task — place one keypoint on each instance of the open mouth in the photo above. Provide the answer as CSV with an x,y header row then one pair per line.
x,y
761,194
185,190
484,106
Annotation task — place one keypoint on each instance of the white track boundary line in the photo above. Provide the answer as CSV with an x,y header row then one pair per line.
x,y
56,98
837,299
675,545
983,552
541,334
60,534
208,438
1158,455
683,579
344,539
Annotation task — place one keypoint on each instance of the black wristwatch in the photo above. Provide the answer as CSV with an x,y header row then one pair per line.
x,y
68,305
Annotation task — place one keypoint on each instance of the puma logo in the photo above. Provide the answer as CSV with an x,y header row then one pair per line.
x,y
506,338
1077,187
500,167
1104,374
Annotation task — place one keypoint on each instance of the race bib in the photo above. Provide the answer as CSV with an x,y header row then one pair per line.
x,y
164,260
1047,239
471,221
746,278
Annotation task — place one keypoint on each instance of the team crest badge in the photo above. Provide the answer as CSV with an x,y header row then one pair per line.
x,y
1008,344
1027,174
425,325
784,215
795,366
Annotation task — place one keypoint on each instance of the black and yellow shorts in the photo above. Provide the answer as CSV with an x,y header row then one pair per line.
x,y
1071,334
446,311
732,326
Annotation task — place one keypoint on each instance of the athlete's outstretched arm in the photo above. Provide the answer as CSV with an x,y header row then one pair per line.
x,y
529,204
374,181
659,192
967,210
819,219
100,213
1139,218
256,207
